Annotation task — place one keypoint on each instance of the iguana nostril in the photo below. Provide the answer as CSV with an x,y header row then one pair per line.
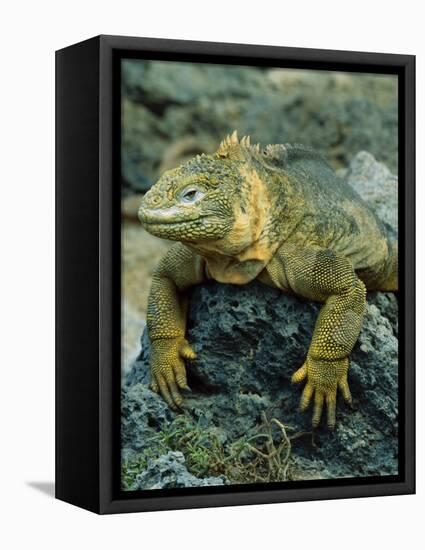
x,y
152,200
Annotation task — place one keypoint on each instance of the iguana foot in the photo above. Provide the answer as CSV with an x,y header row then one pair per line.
x,y
168,368
323,378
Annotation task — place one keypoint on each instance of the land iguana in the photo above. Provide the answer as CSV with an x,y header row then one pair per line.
x,y
279,215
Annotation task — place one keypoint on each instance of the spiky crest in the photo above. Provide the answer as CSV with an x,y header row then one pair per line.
x,y
276,155
232,148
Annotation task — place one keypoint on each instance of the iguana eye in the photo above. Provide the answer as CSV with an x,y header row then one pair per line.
x,y
191,194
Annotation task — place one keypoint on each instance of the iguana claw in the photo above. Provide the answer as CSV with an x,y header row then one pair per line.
x,y
168,368
323,379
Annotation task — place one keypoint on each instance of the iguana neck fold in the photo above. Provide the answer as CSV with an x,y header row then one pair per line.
x,y
260,227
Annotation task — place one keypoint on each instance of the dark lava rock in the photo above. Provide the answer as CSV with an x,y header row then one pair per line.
x,y
143,415
249,340
169,472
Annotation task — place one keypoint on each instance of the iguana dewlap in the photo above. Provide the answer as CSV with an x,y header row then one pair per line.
x,y
279,215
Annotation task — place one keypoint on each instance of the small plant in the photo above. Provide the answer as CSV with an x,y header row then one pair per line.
x,y
264,456
130,468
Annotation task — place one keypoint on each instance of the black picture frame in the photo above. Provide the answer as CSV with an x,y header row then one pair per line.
x,y
88,273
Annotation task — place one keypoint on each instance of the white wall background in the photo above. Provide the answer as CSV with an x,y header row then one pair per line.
x,y
29,33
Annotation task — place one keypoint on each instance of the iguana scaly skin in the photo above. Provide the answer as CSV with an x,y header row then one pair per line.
x,y
279,215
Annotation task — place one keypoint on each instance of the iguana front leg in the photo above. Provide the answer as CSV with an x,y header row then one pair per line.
x,y
166,321
327,277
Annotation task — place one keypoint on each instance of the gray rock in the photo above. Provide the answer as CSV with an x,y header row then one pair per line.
x,y
165,104
169,472
374,182
143,414
249,341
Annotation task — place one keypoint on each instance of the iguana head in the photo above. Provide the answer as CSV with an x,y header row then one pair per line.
x,y
230,203
201,199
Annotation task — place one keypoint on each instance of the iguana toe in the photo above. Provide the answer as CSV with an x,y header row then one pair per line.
x,y
323,378
168,369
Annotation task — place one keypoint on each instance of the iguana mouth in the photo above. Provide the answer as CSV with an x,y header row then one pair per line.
x,y
160,216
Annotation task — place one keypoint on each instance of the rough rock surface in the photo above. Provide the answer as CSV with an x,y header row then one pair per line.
x,y
172,111
374,182
249,340
169,472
